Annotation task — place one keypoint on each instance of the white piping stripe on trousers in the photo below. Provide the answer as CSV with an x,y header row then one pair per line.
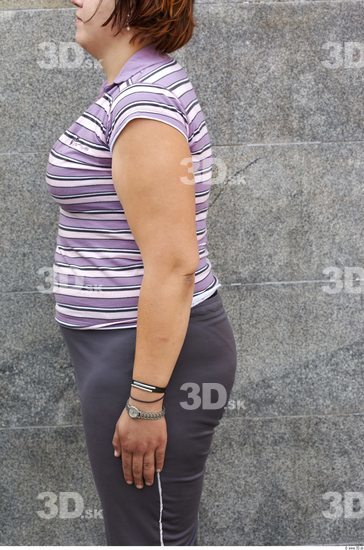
x,y
160,509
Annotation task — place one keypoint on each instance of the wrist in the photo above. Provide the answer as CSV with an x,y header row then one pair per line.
x,y
136,413
147,406
147,397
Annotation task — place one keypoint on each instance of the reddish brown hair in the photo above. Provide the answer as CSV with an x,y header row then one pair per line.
x,y
167,24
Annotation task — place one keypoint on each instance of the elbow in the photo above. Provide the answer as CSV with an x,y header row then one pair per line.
x,y
183,267
186,267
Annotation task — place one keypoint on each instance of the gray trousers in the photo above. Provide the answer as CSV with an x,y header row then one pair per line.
x,y
165,513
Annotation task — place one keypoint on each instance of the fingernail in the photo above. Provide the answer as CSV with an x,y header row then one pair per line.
x,y
129,482
158,471
148,483
140,486
116,453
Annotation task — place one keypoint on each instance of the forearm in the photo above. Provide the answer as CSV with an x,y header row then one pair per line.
x,y
163,315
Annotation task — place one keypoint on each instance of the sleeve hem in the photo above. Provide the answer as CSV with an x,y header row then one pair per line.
x,y
121,128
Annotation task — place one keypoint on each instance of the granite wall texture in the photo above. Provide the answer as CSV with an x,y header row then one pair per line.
x,y
281,84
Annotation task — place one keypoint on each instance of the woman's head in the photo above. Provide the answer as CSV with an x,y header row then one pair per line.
x,y
167,24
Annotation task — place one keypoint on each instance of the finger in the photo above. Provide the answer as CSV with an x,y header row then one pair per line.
x,y
116,443
159,457
137,468
126,462
149,467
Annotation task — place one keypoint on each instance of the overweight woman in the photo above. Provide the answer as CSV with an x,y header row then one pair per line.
x,y
136,296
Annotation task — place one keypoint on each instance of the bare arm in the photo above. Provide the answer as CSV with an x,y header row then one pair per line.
x,y
157,191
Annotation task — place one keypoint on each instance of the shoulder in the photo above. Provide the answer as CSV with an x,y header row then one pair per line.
x,y
143,94
145,100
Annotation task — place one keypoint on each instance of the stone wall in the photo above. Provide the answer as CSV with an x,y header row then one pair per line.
x,y
281,84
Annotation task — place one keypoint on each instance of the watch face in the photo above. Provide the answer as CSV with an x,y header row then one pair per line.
x,y
133,412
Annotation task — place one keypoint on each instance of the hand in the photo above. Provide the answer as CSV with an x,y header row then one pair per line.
x,y
141,444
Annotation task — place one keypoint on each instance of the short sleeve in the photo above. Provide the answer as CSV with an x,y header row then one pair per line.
x,y
145,101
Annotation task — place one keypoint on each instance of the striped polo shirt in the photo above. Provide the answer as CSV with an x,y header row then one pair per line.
x,y
98,268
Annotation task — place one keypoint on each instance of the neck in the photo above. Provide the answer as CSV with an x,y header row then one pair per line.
x,y
114,58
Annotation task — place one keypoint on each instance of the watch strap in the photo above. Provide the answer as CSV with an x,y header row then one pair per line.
x,y
146,415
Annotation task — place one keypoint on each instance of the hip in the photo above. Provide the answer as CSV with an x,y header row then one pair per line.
x,y
208,352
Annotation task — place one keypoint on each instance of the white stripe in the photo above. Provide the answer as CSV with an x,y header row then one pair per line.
x,y
160,509
142,88
142,385
102,273
90,124
182,88
122,316
72,291
74,181
90,254
206,294
161,73
83,233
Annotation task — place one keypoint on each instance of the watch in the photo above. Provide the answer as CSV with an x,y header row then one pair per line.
x,y
134,412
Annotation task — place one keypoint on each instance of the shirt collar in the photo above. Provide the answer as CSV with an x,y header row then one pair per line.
x,y
142,58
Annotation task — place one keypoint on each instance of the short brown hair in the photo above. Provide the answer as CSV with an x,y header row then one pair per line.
x,y
167,24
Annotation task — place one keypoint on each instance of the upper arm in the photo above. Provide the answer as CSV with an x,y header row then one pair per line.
x,y
152,172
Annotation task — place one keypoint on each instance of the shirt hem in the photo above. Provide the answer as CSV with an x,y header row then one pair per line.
x,y
196,300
